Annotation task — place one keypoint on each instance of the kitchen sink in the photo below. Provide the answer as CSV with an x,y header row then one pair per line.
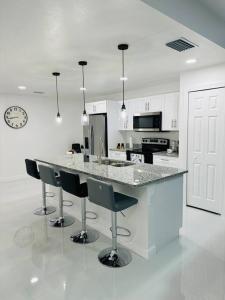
x,y
114,163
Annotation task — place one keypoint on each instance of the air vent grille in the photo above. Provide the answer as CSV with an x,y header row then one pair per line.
x,y
180,45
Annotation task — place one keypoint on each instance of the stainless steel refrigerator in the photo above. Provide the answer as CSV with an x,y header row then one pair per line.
x,y
96,130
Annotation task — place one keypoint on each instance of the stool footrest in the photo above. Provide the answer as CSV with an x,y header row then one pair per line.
x,y
93,217
50,194
67,203
128,232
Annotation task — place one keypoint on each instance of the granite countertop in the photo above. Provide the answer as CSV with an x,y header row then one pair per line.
x,y
133,175
164,153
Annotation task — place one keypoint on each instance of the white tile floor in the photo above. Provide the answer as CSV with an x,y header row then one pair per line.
x,y
38,262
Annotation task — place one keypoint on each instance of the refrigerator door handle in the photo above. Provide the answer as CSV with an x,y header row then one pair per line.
x,y
92,140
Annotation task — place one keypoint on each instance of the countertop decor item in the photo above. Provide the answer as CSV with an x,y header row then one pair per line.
x,y
15,117
84,117
58,116
123,47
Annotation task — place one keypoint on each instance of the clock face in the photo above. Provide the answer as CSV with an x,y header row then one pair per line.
x,y
15,117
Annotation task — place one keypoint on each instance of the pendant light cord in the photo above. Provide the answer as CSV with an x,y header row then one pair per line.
x,y
123,73
83,88
57,92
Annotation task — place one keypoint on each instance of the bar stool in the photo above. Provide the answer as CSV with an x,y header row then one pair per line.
x,y
101,193
71,184
32,170
48,176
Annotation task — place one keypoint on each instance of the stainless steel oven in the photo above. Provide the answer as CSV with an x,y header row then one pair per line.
x,y
147,121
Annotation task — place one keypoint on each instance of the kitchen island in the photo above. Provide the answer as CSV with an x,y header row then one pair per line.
x,y
154,221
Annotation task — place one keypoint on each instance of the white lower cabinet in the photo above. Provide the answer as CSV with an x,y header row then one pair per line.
x,y
118,155
165,161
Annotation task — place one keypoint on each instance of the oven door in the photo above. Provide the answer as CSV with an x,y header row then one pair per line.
x,y
137,158
147,122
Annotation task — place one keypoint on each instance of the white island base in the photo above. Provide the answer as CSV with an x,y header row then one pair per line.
x,y
154,222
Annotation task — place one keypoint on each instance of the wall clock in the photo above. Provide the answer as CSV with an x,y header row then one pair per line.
x,y
15,117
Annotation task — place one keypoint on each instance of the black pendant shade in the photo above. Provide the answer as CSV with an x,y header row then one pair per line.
x,y
123,47
84,117
58,116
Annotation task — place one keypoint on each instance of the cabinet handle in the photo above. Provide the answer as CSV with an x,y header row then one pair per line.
x,y
175,123
148,106
145,106
171,123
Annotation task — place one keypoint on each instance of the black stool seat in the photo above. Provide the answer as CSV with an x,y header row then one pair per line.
x,y
71,184
123,201
32,170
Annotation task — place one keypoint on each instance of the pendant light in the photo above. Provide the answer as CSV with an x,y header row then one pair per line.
x,y
84,116
58,116
123,78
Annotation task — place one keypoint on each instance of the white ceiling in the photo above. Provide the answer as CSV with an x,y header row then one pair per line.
x,y
39,37
216,6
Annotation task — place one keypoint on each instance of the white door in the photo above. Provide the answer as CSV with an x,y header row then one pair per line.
x,y
206,149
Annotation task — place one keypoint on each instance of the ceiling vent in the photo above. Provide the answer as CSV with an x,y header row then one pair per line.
x,y
181,44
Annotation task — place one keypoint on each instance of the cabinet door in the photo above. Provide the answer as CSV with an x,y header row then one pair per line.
x,y
155,103
165,161
170,112
117,155
140,105
96,107
100,107
149,104
89,108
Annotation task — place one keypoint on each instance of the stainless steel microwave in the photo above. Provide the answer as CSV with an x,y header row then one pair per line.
x,y
147,121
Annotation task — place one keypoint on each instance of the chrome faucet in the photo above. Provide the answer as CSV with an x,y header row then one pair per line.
x,y
100,149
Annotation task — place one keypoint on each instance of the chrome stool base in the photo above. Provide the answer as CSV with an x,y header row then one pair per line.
x,y
85,237
115,258
62,222
44,211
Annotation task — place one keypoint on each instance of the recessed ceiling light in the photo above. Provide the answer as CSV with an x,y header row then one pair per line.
x,y
191,61
34,280
22,87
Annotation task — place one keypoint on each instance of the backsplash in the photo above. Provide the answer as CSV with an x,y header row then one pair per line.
x,y
137,136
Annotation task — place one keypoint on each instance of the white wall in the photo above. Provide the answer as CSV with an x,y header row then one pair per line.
x,y
163,87
211,77
41,136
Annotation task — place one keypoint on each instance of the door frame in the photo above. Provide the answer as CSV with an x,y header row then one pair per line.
x,y
203,88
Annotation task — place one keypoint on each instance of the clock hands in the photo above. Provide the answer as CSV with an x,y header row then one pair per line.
x,y
13,118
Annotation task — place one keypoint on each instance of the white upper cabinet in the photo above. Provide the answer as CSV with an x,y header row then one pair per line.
x,y
96,107
127,122
170,112
149,104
